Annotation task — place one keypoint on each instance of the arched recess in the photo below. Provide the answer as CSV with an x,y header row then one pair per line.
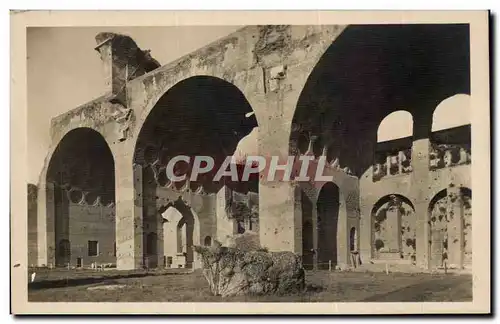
x,y
181,231
394,229
198,116
82,173
451,132
394,142
357,82
328,205
440,207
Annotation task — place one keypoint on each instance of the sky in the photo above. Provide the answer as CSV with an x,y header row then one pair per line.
x,y
64,71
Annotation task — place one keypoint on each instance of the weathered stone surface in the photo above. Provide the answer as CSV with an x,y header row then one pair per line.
x,y
230,271
32,224
248,241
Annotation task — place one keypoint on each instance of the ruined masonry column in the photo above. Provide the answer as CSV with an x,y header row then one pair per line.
x,y
279,224
46,225
455,227
129,222
419,187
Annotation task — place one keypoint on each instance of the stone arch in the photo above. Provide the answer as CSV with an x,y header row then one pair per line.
x,y
332,108
151,243
178,81
64,251
181,231
81,168
151,250
394,229
328,209
171,216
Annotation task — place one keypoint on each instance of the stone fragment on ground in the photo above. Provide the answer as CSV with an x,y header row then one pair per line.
x,y
231,271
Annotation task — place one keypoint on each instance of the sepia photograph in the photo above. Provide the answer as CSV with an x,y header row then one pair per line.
x,y
324,165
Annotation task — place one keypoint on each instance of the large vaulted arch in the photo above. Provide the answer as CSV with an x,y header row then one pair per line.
x,y
371,71
199,116
81,177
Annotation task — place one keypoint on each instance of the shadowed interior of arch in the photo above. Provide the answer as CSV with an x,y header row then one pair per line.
x,y
82,173
343,106
199,116
394,224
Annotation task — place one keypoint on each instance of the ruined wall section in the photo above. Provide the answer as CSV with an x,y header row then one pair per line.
x,y
203,209
371,192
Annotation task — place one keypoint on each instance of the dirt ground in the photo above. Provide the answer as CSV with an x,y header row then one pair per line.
x,y
322,286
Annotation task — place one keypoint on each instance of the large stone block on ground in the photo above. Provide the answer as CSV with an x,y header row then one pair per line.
x,y
231,271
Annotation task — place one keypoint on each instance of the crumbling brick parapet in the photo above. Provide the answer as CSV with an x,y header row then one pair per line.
x,y
123,61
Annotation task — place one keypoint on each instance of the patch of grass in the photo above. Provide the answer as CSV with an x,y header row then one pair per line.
x,y
321,286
